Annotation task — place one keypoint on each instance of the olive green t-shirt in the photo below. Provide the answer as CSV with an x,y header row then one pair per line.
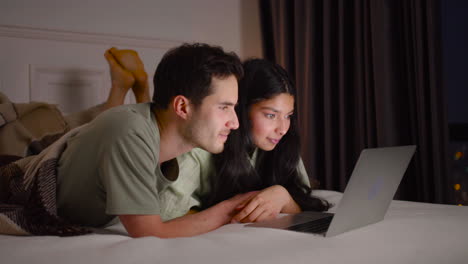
x,y
194,169
111,167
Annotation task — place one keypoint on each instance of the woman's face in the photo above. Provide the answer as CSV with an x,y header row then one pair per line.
x,y
270,120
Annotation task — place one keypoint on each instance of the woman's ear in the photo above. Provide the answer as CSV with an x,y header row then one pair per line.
x,y
181,106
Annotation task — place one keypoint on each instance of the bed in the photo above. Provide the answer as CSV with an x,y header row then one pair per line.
x,y
410,233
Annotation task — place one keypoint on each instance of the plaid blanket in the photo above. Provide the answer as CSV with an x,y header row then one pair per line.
x,y
28,204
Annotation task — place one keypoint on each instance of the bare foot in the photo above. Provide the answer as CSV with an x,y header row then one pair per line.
x,y
121,81
130,61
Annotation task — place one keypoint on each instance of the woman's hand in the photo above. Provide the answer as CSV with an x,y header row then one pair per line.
x,y
266,204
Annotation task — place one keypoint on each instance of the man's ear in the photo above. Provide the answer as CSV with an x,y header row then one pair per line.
x,y
181,106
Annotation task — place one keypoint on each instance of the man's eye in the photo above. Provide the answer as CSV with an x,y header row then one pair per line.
x,y
224,108
270,116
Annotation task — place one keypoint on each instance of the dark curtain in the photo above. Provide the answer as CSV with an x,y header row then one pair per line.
x,y
368,74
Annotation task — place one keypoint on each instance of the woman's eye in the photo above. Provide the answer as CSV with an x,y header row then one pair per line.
x,y
289,116
270,116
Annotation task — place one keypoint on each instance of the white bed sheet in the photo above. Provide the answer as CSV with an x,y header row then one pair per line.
x,y
410,233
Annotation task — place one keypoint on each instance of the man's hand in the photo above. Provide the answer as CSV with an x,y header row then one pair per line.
x,y
266,204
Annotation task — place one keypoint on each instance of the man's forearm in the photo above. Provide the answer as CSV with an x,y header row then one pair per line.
x,y
184,226
201,222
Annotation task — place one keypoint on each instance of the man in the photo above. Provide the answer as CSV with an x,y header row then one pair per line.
x,y
118,164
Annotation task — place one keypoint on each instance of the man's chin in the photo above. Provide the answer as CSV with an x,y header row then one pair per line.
x,y
215,149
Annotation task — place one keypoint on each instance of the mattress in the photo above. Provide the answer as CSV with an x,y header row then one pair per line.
x,y
410,233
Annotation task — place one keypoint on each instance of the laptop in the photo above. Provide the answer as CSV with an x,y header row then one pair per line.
x,y
366,199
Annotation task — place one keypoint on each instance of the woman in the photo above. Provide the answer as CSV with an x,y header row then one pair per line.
x,y
263,154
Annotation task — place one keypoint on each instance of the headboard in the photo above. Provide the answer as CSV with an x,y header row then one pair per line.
x,y
64,67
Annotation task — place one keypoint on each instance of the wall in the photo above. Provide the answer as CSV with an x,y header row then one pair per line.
x,y
48,44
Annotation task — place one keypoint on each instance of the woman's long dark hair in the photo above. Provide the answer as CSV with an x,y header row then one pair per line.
x,y
234,173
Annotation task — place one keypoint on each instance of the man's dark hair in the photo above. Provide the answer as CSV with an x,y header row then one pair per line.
x,y
188,69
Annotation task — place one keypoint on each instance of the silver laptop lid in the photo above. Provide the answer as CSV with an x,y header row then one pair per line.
x,y
371,187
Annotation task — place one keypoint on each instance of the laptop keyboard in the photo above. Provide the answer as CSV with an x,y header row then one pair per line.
x,y
316,226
